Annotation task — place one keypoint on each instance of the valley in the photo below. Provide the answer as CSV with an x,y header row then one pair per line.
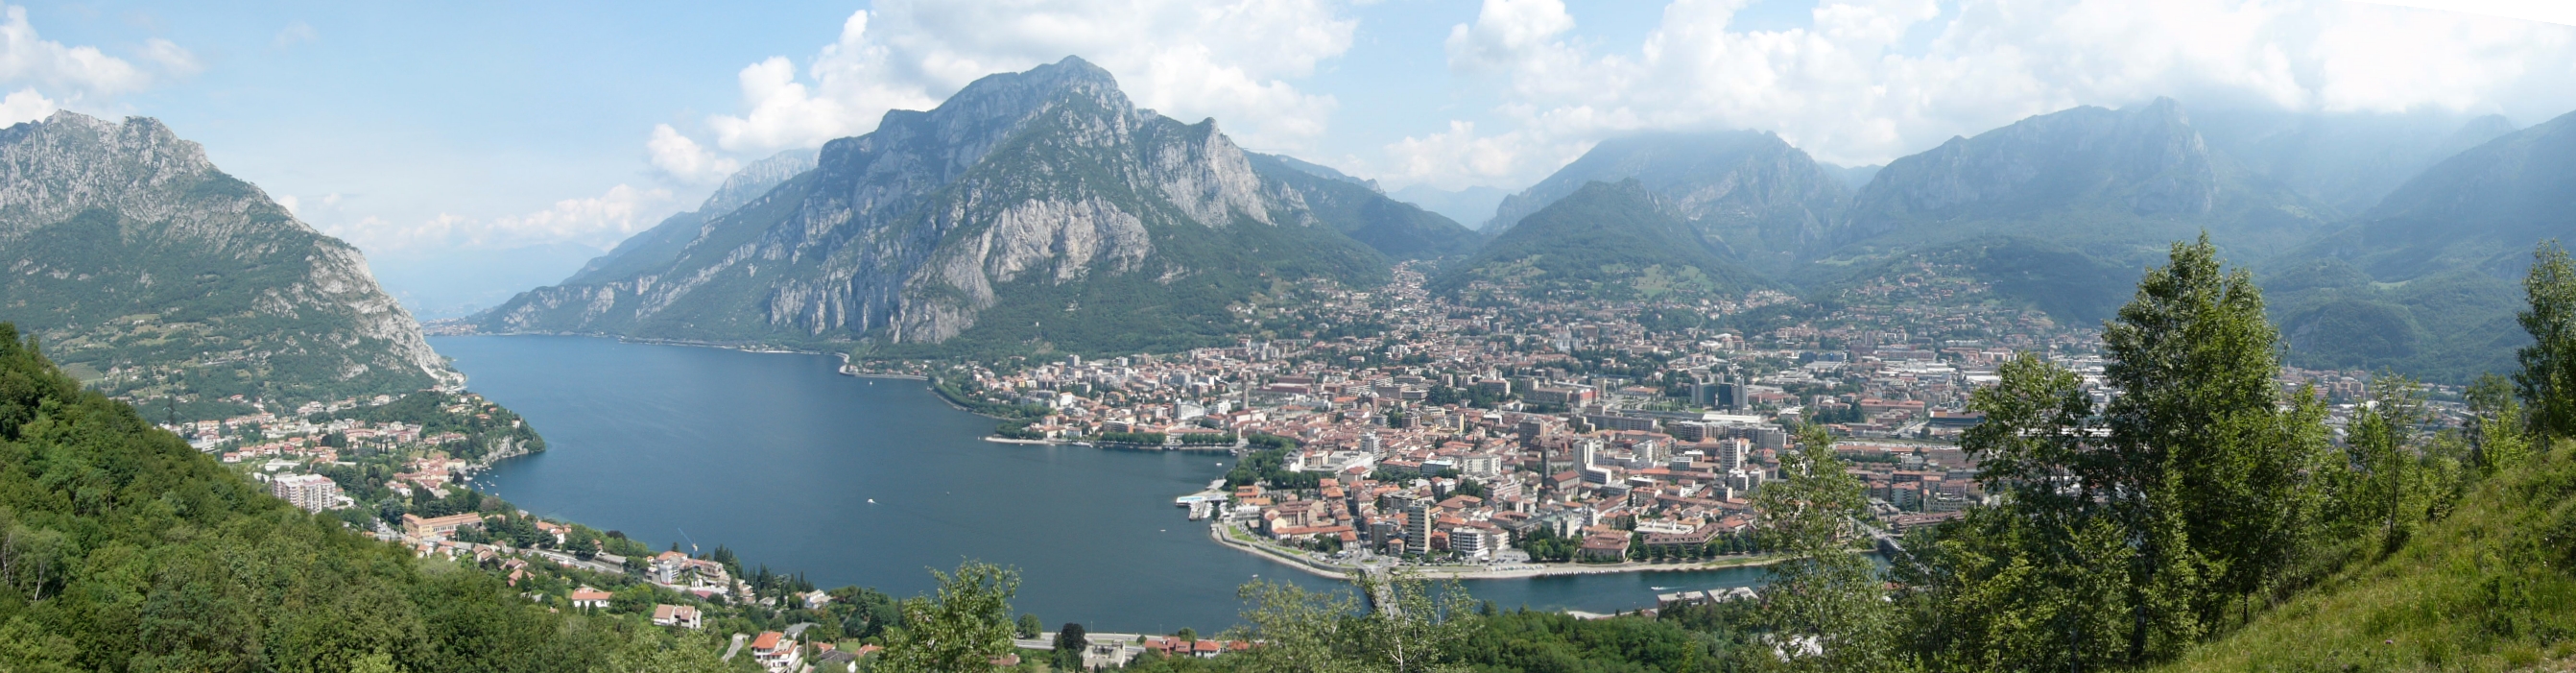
x,y
2160,383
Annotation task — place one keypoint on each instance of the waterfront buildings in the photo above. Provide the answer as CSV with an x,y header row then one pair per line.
x,y
1459,427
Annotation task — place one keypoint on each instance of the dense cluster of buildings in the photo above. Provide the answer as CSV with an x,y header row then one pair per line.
x,y
1460,429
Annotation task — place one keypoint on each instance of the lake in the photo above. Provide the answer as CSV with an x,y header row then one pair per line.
x,y
779,457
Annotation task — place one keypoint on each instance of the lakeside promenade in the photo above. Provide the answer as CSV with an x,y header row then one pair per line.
x,y
1221,534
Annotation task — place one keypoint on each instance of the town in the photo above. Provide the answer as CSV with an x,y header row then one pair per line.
x,y
1496,434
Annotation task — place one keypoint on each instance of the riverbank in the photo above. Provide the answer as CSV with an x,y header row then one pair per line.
x,y
1224,535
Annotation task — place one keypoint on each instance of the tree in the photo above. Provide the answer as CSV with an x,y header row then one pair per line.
x,y
654,652
2388,493
2125,535
1824,606
2039,582
964,627
2495,427
2204,466
1029,626
2547,380
1070,641
1412,627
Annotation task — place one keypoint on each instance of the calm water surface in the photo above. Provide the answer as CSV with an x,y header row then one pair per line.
x,y
778,457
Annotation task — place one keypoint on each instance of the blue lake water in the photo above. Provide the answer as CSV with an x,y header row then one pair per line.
x,y
777,456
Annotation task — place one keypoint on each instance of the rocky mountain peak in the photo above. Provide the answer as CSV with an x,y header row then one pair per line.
x,y
124,228
71,162
1044,183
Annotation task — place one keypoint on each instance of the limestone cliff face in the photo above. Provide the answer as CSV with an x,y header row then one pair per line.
x,y
130,250
1044,182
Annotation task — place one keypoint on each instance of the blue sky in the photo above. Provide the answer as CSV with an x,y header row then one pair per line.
x,y
476,149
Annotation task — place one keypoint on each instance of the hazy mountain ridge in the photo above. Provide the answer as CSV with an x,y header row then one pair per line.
x,y
1025,193
2425,281
2345,160
2091,177
658,245
1471,207
1607,241
128,251
1357,209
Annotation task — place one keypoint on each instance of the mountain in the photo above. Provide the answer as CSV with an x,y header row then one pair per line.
x,y
1266,162
155,276
2481,209
1768,201
1355,208
1031,210
1604,241
2345,160
1470,205
2426,281
2117,184
1854,177
659,246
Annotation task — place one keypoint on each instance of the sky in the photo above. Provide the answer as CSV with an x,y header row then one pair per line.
x,y
475,149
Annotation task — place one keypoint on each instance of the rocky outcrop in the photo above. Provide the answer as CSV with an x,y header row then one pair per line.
x,y
167,266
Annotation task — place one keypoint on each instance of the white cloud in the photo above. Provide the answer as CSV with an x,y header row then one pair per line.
x,y
1187,58
174,59
25,105
682,159
294,206
295,33
1862,85
26,58
598,222
1509,33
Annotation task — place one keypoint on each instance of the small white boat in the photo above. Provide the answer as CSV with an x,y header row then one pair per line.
x,y
872,501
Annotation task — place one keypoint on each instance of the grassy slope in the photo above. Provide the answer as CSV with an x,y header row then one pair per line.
x,y
2489,588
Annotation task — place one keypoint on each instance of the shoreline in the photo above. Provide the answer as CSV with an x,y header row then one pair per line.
x,y
1533,570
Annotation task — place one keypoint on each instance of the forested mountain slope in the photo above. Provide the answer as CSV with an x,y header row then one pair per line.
x,y
122,549
1603,242
2346,160
152,274
2421,283
1355,207
1770,203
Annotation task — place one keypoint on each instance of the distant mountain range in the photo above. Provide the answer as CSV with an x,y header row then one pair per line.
x,y
2427,281
1605,241
1041,210
1470,206
151,274
1031,210
2386,240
